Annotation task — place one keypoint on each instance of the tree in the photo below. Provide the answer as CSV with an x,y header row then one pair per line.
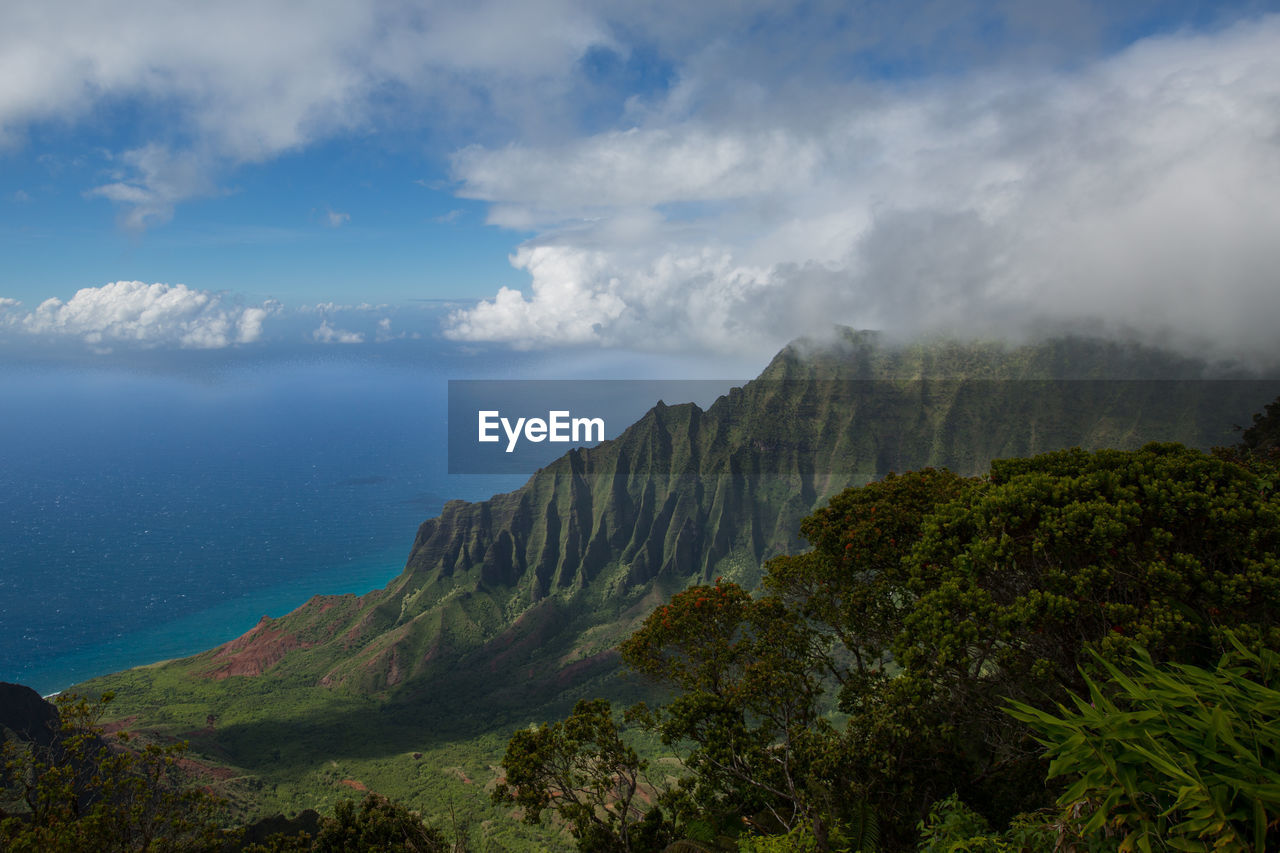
x,y
1068,552
1013,585
1259,447
581,769
749,687
1263,437
86,791
378,824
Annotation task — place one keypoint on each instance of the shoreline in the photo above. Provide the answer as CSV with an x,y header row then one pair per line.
x,y
154,645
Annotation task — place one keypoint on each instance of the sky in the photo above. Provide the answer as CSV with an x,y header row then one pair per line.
x,y
711,179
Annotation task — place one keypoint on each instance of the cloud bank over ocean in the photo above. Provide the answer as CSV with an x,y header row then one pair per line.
x,y
131,316
138,314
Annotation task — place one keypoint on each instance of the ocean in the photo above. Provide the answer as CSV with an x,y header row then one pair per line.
x,y
152,512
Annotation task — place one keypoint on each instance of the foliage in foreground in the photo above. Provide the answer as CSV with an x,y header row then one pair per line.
x,y
1158,757
928,602
88,791
377,824
1172,757
953,827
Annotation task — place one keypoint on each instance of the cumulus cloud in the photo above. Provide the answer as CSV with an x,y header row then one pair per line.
x,y
132,313
327,334
334,219
132,316
1142,189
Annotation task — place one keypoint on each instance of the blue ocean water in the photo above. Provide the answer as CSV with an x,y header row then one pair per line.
x,y
149,514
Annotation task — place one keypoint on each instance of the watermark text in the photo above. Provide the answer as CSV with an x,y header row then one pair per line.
x,y
559,426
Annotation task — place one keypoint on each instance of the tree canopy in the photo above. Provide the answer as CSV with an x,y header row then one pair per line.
x,y
864,690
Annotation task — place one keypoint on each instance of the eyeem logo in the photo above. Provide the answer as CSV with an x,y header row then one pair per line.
x,y
559,426
517,426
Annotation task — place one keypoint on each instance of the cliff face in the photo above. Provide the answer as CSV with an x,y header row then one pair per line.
x,y
530,590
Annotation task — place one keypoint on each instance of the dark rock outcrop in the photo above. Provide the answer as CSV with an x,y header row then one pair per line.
x,y
27,716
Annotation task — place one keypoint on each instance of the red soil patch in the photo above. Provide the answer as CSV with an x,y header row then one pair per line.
x,y
254,652
580,668
119,725
356,633
200,768
354,784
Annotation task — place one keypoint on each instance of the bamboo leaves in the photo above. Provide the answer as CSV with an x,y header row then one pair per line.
x,y
1175,757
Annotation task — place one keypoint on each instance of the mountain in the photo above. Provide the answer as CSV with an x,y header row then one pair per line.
x,y
508,604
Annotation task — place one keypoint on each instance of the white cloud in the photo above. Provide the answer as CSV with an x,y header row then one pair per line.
x,y
636,168
326,334
242,81
383,333
335,219
158,179
334,307
147,315
216,85
249,324
572,301
1143,189
756,193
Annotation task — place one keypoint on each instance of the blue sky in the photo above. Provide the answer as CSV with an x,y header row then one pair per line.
x,y
711,178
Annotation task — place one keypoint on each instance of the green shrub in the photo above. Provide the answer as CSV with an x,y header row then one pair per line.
x,y
1172,757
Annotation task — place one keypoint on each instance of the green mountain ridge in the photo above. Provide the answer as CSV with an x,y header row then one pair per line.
x,y
599,535
512,603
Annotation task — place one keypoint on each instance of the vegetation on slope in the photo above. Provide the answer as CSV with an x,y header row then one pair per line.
x,y
929,604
